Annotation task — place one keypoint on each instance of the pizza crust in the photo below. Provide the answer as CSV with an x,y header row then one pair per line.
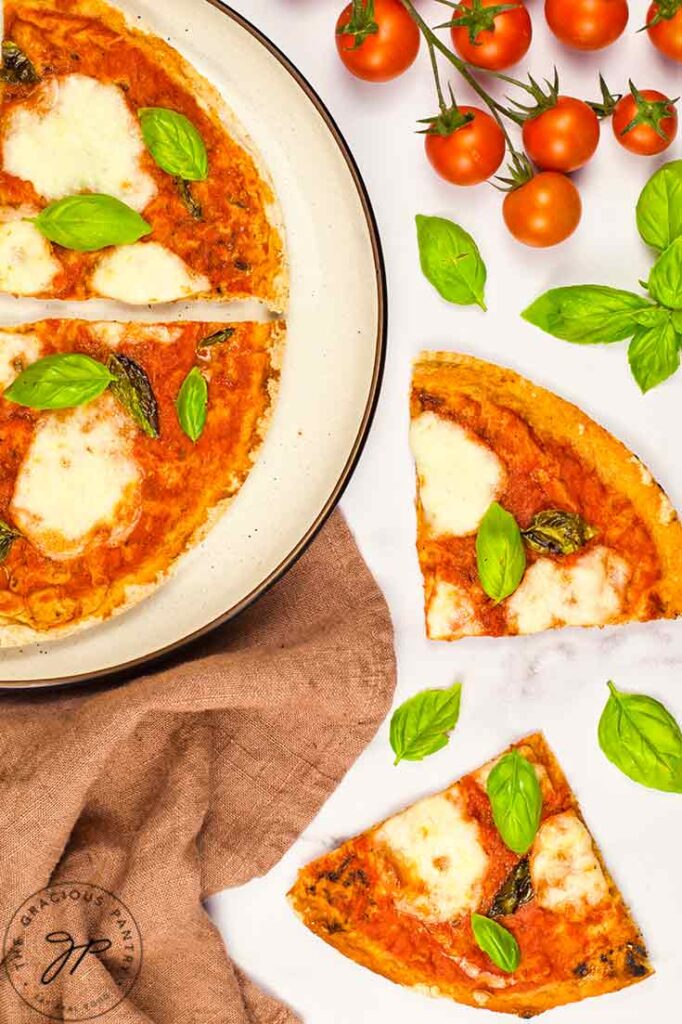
x,y
447,374
209,98
13,634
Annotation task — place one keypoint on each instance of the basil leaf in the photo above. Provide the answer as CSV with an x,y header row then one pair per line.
x,y
654,354
192,204
175,143
557,532
587,314
91,221
665,280
450,260
497,942
191,404
659,209
7,539
500,554
217,338
420,726
676,320
654,316
515,892
640,736
516,801
16,68
132,387
59,382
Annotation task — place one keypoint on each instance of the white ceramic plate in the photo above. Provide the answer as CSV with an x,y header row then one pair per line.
x,y
333,363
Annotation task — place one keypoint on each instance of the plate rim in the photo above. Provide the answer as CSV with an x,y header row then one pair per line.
x,y
122,672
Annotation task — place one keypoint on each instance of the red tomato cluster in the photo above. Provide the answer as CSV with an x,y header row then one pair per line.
x,y
379,39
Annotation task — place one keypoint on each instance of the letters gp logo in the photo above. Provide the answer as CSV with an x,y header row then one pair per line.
x,y
72,951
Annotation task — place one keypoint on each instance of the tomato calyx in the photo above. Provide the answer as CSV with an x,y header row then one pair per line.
x,y
448,121
361,23
544,99
521,171
609,100
665,11
477,18
649,112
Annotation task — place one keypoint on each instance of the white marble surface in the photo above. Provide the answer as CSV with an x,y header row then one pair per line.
x,y
553,682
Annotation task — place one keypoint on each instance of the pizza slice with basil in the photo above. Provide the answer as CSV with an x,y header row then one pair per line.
x,y
492,893
530,515
121,445
122,172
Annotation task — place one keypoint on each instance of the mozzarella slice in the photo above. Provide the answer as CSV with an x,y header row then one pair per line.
x,y
564,867
589,592
114,334
144,273
16,352
27,266
79,484
458,476
450,613
440,847
78,135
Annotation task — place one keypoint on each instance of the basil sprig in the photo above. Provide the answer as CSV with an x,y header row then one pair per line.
x,y
192,403
132,387
640,736
60,381
421,725
557,532
174,142
659,208
500,554
497,942
217,338
450,260
594,314
90,222
515,891
16,67
8,535
515,800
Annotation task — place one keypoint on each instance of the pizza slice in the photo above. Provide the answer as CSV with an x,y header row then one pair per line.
x,y
121,445
122,172
530,515
405,897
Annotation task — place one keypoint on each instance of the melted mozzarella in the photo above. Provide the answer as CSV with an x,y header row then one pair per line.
x,y
79,484
458,476
564,867
440,846
78,135
16,352
27,266
450,613
587,593
146,272
114,334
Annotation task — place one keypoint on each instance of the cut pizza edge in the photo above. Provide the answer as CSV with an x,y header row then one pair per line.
x,y
208,96
439,375
126,594
322,890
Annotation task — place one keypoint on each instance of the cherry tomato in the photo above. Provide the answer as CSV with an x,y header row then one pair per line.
x,y
587,24
500,39
387,49
652,115
469,154
562,138
544,211
664,26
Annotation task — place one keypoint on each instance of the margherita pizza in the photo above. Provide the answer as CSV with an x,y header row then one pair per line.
x,y
434,899
122,172
530,515
120,444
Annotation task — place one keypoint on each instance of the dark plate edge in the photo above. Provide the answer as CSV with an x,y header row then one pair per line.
x,y
153,660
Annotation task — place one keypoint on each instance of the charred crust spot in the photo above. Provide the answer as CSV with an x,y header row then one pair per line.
x,y
634,955
581,970
337,874
332,927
